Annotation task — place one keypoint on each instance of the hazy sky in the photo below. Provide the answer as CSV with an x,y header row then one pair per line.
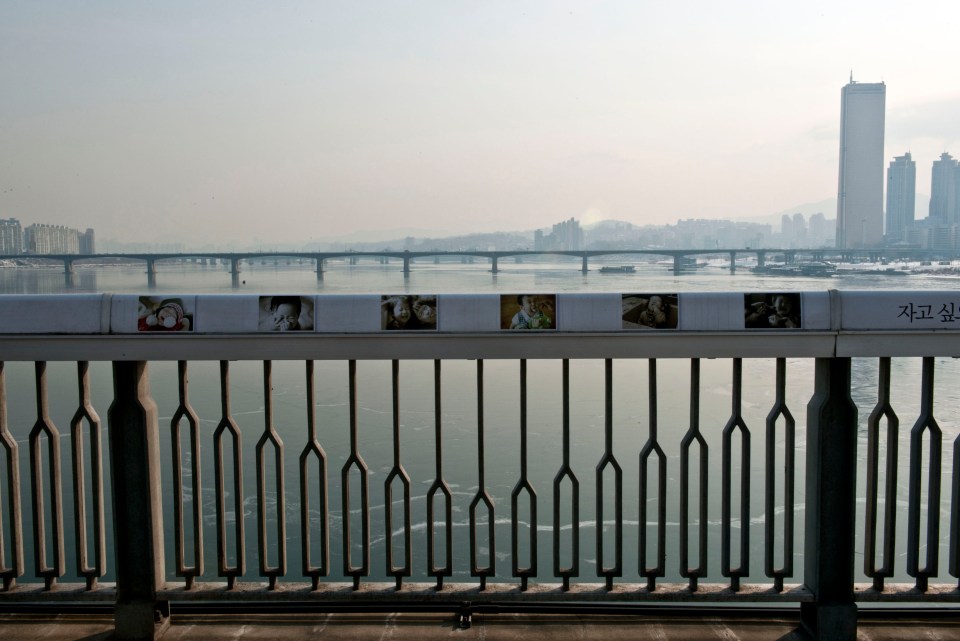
x,y
235,120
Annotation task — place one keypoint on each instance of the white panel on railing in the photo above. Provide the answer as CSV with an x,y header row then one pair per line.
x,y
227,314
711,312
918,310
638,311
468,312
590,312
348,314
816,310
67,314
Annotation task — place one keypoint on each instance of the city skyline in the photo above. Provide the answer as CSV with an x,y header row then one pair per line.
x,y
223,122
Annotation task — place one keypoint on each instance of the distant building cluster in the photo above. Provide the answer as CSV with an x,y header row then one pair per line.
x,y
699,233
941,228
797,232
564,236
39,239
861,218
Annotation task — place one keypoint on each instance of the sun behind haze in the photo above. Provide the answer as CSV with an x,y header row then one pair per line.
x,y
290,121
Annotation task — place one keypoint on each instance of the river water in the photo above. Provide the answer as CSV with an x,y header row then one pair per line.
x,y
459,414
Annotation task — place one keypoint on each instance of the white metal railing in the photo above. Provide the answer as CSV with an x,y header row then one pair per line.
x,y
462,567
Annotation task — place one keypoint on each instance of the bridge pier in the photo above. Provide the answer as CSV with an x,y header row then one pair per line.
x,y
68,273
151,273
406,266
677,264
761,259
493,264
583,266
733,262
319,260
789,258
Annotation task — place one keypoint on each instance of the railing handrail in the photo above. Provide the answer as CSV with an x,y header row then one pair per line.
x,y
583,345
828,594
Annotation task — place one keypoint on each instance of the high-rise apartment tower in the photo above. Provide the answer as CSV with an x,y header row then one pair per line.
x,y
901,197
860,191
945,191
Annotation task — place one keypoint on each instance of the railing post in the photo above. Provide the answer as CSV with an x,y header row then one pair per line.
x,y
831,503
138,522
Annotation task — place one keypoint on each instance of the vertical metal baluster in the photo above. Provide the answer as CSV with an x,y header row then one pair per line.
x,y
653,447
13,568
693,434
227,424
44,426
926,422
608,459
736,422
349,569
778,410
85,412
271,437
439,485
185,411
483,497
882,410
565,471
523,485
313,448
398,472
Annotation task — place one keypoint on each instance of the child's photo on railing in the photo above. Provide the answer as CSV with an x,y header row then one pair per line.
x,y
407,312
161,314
285,313
651,311
771,311
528,311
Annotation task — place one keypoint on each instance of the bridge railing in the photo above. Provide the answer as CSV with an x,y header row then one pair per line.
x,y
451,470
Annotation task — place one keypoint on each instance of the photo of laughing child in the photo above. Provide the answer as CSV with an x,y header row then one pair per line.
x,y
285,313
401,311
528,311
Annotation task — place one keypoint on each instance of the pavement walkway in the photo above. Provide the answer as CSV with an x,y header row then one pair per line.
x,y
485,627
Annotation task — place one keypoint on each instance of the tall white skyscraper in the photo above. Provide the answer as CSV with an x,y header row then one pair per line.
x,y
860,191
945,190
901,197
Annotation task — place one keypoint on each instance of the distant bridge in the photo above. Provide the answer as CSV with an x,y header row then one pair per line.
x,y
408,257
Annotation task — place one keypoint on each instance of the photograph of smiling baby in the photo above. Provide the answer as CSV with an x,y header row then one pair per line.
x,y
286,314
771,311
528,311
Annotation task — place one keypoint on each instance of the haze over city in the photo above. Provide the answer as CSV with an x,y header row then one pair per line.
x,y
236,122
